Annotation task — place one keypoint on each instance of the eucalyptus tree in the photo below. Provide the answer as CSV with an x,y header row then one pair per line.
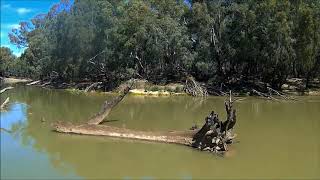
x,y
307,34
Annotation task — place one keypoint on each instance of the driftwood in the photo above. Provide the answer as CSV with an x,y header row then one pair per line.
x,y
33,83
45,84
270,97
5,103
193,88
92,86
177,137
280,94
5,89
270,94
213,136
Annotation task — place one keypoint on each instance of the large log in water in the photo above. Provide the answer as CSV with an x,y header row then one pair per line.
x,y
213,136
176,137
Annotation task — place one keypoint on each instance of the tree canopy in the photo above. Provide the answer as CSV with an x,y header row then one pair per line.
x,y
221,41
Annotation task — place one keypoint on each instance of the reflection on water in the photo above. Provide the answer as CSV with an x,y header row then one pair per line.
x,y
277,140
18,157
15,118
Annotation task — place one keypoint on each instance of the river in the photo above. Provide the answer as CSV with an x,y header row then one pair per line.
x,y
277,140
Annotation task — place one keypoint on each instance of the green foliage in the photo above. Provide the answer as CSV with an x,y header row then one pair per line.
x,y
7,59
163,41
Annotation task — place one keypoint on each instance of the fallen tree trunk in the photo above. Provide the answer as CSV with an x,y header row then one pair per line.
x,y
213,136
176,137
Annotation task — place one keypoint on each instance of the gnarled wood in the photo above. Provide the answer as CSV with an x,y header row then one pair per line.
x,y
214,134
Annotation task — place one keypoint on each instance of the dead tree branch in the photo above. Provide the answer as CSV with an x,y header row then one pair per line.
x,y
264,95
92,86
107,107
5,89
194,89
280,94
5,103
33,83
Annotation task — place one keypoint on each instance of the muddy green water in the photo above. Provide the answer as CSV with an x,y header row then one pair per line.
x,y
277,140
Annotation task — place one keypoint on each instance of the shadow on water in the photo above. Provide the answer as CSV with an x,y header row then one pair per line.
x,y
273,129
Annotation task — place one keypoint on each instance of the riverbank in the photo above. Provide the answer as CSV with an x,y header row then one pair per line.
x,y
293,86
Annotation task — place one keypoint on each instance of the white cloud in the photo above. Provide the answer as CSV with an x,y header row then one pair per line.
x,y
5,45
18,54
23,11
12,26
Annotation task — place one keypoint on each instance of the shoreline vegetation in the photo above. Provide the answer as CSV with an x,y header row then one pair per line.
x,y
293,86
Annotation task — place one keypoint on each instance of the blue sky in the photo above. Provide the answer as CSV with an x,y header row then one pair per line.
x,y
15,11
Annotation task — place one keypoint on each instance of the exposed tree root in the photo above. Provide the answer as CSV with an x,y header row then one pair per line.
x,y
215,134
